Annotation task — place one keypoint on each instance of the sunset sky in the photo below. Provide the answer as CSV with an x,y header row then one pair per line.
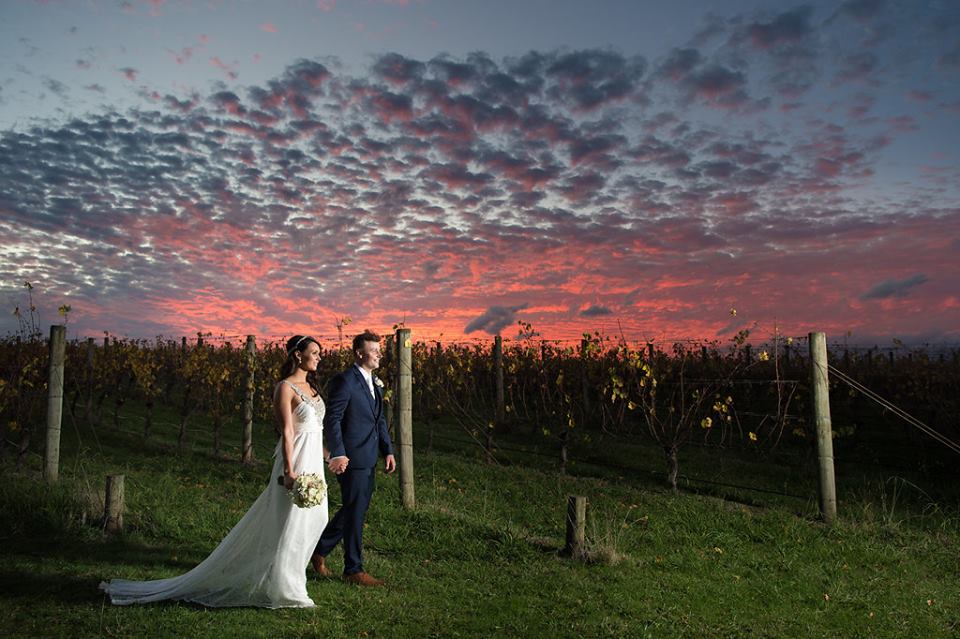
x,y
169,167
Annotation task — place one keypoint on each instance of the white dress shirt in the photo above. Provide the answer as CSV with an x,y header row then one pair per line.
x,y
367,375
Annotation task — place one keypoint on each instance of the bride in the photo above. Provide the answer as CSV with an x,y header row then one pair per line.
x,y
262,561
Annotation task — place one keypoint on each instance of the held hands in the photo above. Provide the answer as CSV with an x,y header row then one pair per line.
x,y
391,463
337,464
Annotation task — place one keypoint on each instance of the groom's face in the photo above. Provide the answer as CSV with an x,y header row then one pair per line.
x,y
368,357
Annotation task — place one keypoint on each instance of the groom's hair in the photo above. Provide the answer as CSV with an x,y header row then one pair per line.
x,y
365,336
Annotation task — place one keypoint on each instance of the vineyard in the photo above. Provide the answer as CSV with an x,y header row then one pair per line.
x,y
601,406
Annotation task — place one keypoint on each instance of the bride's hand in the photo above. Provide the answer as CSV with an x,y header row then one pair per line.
x,y
288,479
338,464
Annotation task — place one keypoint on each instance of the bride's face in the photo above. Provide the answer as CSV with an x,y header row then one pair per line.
x,y
310,357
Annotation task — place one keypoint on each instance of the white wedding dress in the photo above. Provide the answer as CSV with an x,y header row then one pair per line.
x,y
263,560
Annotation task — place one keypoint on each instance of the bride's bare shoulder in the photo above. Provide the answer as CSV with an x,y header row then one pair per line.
x,y
283,389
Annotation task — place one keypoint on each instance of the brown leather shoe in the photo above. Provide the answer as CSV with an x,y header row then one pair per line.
x,y
320,565
362,579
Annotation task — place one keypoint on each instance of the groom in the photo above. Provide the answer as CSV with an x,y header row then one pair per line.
x,y
355,431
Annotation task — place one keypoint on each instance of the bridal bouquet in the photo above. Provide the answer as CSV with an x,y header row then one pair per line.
x,y
308,490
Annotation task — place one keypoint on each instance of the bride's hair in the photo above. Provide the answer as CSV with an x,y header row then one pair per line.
x,y
298,344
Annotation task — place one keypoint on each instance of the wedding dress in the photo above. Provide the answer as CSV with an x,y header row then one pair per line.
x,y
263,560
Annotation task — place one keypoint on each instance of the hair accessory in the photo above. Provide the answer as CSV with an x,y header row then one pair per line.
x,y
295,346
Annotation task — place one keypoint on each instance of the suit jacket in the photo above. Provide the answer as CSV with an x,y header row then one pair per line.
x,y
355,424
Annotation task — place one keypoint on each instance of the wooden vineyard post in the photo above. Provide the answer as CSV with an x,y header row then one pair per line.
x,y
113,504
246,454
576,526
51,453
405,414
498,369
820,396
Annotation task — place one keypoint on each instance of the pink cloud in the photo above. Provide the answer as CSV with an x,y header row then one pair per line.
x,y
228,69
327,5
268,27
182,56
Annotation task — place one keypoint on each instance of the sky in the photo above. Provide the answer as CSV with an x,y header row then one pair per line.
x,y
651,169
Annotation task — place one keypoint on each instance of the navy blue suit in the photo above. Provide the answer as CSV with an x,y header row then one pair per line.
x,y
355,426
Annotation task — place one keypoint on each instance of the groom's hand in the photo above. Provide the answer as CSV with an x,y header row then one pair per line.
x,y
391,463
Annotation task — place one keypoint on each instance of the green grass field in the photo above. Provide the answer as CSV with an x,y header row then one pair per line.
x,y
479,557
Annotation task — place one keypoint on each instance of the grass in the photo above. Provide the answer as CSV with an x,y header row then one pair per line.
x,y
480,556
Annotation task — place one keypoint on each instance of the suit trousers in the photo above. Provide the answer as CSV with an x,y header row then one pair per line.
x,y
356,489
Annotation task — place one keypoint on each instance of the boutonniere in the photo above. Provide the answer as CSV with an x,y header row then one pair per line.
x,y
378,382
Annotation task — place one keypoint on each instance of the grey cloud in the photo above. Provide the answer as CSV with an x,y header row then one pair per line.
x,y
863,9
494,319
894,288
398,69
718,85
589,148
856,67
593,78
451,71
680,63
788,27
951,59
55,86
595,310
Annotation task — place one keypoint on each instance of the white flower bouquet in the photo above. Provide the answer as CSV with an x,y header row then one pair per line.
x,y
308,490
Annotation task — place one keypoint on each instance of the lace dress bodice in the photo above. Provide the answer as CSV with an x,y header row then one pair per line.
x,y
308,414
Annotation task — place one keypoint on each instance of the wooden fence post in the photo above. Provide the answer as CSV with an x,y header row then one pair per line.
x,y
246,449
498,371
113,504
51,453
405,411
576,526
820,396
